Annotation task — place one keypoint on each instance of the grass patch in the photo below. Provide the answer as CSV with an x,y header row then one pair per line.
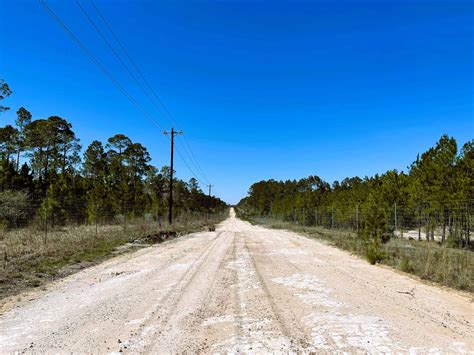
x,y
26,261
447,266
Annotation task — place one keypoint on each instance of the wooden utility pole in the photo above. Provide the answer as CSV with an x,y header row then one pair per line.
x,y
209,202
170,203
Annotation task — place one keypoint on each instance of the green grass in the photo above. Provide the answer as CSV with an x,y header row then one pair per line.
x,y
446,266
26,261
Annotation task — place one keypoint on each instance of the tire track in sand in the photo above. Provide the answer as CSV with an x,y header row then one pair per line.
x,y
172,332
181,283
290,328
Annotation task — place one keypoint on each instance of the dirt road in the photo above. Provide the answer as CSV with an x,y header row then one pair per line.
x,y
242,288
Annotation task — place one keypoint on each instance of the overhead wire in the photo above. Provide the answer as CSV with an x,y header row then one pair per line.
x,y
106,73
117,56
190,152
97,63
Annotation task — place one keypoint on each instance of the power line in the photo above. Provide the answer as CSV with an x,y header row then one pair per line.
x,y
109,45
122,46
190,152
109,76
197,163
96,62
193,159
187,165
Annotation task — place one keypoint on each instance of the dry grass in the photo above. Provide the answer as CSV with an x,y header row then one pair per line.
x,y
27,261
447,266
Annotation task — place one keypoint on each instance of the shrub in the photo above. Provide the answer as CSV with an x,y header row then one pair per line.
x,y
374,254
374,231
13,207
386,237
406,265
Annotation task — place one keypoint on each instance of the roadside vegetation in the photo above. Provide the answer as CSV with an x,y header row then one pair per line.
x,y
62,205
430,261
418,222
28,262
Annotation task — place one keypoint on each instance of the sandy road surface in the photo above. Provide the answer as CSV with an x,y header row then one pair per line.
x,y
241,288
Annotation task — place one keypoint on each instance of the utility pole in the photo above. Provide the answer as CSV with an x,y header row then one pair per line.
x,y
209,202
170,204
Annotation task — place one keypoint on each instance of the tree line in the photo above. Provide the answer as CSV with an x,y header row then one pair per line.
x,y
45,175
435,197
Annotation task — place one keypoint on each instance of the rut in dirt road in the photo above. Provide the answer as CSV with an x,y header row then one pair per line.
x,y
242,288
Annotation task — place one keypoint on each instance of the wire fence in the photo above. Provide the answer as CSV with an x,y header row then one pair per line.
x,y
423,221
38,216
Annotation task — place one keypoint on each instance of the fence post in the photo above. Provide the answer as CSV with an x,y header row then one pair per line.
x,y
468,226
396,224
46,219
443,235
357,218
419,223
96,218
45,228
332,218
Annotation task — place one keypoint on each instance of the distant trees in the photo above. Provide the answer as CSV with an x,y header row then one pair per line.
x,y
435,196
43,175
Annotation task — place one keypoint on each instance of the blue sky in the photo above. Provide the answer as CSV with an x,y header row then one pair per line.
x,y
263,89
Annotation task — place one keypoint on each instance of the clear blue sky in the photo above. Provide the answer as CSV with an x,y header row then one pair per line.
x,y
263,89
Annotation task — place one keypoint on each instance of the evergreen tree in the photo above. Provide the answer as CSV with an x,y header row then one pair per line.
x,y
4,93
23,119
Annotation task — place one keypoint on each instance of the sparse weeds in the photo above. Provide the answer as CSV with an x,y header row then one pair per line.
x,y
406,265
27,261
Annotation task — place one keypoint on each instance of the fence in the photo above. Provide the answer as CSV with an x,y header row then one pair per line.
x,y
422,221
24,211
